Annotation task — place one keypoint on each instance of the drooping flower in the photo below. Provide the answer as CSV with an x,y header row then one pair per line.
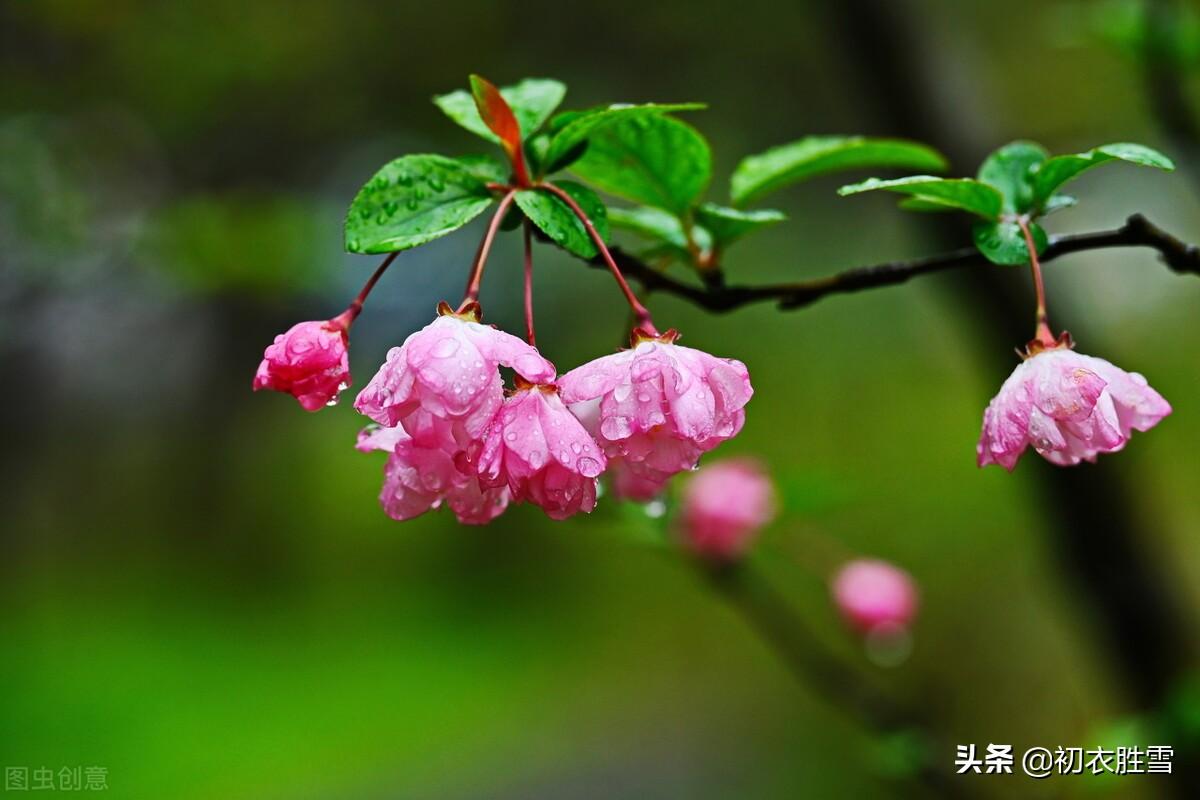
x,y
542,453
443,384
1069,407
658,406
417,479
873,594
724,507
310,361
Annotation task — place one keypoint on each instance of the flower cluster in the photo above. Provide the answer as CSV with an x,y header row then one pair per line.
x,y
454,436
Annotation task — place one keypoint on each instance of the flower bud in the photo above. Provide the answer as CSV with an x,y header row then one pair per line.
x,y
311,362
873,595
724,507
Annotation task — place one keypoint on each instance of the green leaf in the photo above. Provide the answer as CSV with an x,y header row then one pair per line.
x,y
649,159
727,225
925,205
486,168
650,223
1004,243
1060,169
960,193
411,201
1010,170
1058,202
558,221
532,101
817,155
580,125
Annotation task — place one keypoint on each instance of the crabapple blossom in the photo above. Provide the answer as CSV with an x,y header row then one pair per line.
x,y
1070,407
417,479
724,507
443,385
542,453
658,406
310,362
873,594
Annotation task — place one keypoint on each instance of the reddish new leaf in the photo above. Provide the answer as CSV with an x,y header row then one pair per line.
x,y
496,114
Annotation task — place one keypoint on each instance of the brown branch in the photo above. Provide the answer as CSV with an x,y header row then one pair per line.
x,y
716,295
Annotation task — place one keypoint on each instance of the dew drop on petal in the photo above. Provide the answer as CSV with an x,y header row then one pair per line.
x,y
589,467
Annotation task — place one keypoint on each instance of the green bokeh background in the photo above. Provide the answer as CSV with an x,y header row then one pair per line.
x,y
198,589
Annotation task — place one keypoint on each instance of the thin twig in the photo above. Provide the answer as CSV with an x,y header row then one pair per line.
x,y
770,616
1137,231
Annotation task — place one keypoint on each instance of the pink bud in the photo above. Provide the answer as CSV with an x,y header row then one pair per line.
x,y
310,362
724,506
872,594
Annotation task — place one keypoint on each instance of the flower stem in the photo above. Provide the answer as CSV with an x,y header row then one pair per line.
x,y
1042,331
347,317
529,334
639,311
472,292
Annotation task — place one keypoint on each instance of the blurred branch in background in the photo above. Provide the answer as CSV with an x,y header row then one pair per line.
x,y
1091,521
715,295
1163,72
786,633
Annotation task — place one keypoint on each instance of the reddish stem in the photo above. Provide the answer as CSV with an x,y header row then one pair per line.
x,y
472,292
1042,331
640,311
347,317
529,334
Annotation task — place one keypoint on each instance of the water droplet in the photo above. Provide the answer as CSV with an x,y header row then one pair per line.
x,y
655,509
511,436
616,427
576,448
589,467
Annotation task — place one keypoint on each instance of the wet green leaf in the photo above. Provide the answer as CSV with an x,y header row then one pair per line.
x,y
1060,169
579,126
1010,170
532,101
556,219
650,223
963,194
413,200
818,155
488,169
651,159
1004,243
727,225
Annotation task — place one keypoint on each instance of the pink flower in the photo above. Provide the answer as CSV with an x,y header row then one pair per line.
x,y
443,385
417,479
310,362
659,406
542,452
724,507
1069,406
872,594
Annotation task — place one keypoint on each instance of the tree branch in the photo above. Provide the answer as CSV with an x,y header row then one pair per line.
x,y
715,295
